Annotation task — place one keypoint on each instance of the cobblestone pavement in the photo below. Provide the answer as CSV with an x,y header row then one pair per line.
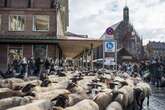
x,y
157,100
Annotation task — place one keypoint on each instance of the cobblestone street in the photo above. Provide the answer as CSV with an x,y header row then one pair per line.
x,y
157,100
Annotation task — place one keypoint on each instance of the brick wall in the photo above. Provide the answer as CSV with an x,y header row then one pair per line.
x,y
53,51
24,3
41,3
28,22
19,3
19,7
27,51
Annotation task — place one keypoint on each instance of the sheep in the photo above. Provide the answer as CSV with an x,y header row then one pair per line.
x,y
146,92
8,83
84,105
49,95
36,105
75,98
61,100
125,96
103,99
6,92
14,101
58,108
18,86
114,106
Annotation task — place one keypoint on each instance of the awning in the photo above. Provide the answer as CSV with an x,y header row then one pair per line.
x,y
74,47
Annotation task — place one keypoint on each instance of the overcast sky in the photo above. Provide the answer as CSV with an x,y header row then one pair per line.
x,y
92,17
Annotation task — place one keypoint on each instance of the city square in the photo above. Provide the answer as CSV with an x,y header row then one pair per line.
x,y
82,55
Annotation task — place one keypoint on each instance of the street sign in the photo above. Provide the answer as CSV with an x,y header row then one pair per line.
x,y
110,46
109,31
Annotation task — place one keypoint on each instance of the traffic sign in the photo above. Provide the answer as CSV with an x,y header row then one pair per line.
x,y
109,31
110,46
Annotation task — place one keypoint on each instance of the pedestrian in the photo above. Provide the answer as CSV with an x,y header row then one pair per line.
x,y
31,66
47,65
24,64
38,64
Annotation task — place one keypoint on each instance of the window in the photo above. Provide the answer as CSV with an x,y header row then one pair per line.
x,y
16,23
29,3
41,23
14,53
5,3
40,51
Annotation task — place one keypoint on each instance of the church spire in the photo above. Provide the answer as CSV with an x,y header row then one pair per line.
x,y
126,13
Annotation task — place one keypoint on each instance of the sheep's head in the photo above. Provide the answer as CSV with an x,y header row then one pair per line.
x,y
61,101
28,88
45,83
70,86
123,83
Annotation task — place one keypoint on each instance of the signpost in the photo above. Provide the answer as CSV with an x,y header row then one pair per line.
x,y
110,46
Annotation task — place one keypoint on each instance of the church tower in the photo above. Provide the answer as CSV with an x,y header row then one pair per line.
x,y
126,14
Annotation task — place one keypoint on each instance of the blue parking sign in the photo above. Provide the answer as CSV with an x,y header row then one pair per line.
x,y
110,46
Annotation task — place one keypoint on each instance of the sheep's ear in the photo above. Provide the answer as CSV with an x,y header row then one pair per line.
x,y
124,83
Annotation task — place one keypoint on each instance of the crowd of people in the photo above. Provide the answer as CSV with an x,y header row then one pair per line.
x,y
25,67
152,71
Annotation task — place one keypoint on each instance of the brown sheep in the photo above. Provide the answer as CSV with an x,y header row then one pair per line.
x,y
103,99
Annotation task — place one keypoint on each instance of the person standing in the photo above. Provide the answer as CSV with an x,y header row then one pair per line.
x,y
24,67
47,65
31,66
38,64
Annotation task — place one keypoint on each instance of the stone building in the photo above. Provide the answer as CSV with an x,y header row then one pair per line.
x,y
125,35
155,50
31,28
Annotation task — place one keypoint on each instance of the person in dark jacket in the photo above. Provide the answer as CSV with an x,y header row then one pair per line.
x,y
38,65
31,66
47,65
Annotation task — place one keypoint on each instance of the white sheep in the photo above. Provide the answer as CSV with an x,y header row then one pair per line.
x,y
114,106
147,91
84,105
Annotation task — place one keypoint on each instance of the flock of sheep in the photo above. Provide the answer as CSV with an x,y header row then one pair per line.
x,y
75,90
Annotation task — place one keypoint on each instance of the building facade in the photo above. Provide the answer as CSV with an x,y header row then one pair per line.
x,y
155,50
29,28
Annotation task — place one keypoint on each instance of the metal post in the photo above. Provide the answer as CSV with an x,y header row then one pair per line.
x,y
83,59
86,60
116,54
92,57
103,54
